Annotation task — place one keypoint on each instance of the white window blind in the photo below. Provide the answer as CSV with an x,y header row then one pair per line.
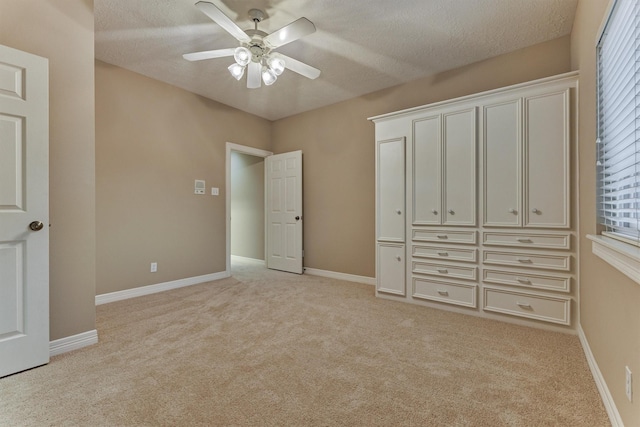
x,y
619,123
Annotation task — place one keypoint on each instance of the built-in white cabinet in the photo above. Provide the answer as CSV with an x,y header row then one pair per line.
x,y
473,203
502,172
391,269
526,161
444,149
390,215
390,190
546,154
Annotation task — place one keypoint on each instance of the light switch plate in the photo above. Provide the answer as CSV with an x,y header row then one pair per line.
x,y
199,186
215,191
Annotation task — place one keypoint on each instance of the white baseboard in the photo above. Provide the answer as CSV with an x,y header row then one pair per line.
x,y
74,342
340,276
601,384
246,259
160,287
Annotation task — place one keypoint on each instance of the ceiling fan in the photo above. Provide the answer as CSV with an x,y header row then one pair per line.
x,y
256,50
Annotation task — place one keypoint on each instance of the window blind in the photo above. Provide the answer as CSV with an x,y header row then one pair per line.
x,y
619,123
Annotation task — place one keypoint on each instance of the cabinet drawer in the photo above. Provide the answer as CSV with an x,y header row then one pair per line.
x,y
452,293
445,270
537,281
549,241
444,236
445,253
540,307
529,260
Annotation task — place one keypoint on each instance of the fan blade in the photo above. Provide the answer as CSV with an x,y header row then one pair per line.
x,y
289,33
254,80
298,67
209,54
212,11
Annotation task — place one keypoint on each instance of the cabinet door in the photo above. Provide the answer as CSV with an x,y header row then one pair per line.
x,y
427,171
390,190
391,269
546,157
459,151
502,141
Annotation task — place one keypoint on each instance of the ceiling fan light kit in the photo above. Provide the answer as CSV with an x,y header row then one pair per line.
x,y
256,51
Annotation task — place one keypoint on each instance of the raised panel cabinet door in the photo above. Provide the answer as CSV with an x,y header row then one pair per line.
x,y
502,164
459,151
390,190
427,171
391,269
546,154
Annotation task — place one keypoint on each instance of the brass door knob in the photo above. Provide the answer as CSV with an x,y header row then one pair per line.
x,y
36,226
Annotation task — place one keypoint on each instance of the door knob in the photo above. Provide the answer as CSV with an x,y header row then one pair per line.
x,y
297,218
36,226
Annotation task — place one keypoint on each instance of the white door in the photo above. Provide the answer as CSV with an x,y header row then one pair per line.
x,y
427,171
284,212
502,164
24,211
390,269
459,135
390,189
547,160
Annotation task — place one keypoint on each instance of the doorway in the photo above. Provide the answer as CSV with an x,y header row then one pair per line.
x,y
245,192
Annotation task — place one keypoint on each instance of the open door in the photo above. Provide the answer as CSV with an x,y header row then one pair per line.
x,y
284,211
24,211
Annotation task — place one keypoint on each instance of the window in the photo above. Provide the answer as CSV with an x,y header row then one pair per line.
x,y
618,141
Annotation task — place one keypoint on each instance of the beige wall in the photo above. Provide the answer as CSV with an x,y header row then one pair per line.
x,y
247,205
609,301
338,150
62,31
152,141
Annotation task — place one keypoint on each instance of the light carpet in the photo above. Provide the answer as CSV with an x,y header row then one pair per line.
x,y
268,348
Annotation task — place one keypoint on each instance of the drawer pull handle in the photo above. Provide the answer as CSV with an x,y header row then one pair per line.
x,y
524,260
523,305
443,253
451,211
521,280
443,270
398,211
443,293
513,211
525,241
435,212
535,211
442,236
399,258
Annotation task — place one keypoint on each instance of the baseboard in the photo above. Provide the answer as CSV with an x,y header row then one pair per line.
x,y
340,276
160,287
74,342
601,384
246,259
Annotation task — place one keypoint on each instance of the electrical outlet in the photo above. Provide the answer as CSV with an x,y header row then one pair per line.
x,y
154,267
628,383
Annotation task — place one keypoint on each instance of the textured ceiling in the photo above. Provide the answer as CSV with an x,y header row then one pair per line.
x,y
361,46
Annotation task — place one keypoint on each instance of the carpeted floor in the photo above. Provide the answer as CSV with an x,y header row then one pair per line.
x,y
267,348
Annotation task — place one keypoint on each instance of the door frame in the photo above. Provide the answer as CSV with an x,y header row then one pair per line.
x,y
244,149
